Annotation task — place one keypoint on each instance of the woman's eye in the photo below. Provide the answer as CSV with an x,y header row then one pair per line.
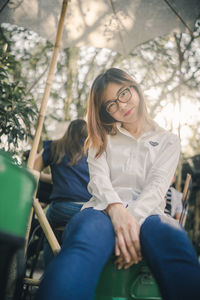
x,y
124,93
110,105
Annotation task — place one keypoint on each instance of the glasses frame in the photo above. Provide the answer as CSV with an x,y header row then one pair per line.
x,y
118,100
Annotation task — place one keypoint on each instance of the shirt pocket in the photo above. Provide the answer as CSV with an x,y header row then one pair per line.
x,y
152,149
119,160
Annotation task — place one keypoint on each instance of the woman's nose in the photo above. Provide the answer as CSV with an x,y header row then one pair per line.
x,y
122,104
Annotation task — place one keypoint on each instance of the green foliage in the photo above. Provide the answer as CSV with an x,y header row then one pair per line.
x,y
17,111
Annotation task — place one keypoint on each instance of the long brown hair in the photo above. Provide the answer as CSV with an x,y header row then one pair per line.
x,y
100,123
72,143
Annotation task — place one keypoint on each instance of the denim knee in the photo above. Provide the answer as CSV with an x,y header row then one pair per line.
x,y
163,233
92,228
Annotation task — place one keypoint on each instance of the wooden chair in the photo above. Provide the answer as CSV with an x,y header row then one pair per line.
x,y
185,199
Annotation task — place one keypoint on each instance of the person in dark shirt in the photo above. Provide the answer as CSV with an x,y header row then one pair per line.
x,y
44,185
69,175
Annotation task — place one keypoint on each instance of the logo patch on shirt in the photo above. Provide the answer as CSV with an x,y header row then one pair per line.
x,y
154,144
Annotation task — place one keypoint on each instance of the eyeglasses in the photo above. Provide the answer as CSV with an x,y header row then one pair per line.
x,y
112,106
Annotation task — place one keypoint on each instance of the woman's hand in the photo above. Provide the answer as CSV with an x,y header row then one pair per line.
x,y
127,245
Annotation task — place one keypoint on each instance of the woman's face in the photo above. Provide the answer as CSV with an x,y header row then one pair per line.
x,y
122,102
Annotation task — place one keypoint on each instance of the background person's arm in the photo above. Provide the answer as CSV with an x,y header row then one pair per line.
x,y
39,166
45,177
38,163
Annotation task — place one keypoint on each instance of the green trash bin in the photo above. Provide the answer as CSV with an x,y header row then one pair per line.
x,y
134,283
16,194
17,186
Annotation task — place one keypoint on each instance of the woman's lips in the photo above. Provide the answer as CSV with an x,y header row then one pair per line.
x,y
128,112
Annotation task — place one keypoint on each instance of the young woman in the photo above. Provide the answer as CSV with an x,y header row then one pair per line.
x,y
131,163
69,175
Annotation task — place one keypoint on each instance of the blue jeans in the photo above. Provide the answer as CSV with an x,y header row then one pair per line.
x,y
89,242
58,214
171,258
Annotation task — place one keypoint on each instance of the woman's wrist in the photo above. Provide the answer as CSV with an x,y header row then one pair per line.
x,y
112,207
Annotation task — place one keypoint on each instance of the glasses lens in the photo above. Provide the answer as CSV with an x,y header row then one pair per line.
x,y
112,107
125,95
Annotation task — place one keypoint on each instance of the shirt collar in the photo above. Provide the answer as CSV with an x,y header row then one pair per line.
x,y
156,129
123,130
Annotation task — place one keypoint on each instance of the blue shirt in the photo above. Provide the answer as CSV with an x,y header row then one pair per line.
x,y
69,182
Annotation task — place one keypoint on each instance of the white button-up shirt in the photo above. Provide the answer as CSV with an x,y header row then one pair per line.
x,y
134,172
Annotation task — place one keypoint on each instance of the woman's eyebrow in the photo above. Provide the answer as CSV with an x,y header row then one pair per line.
x,y
118,92
121,88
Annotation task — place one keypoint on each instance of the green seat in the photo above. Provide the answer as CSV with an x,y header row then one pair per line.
x,y
16,195
135,283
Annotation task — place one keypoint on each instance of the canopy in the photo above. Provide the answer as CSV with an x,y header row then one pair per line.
x,y
115,24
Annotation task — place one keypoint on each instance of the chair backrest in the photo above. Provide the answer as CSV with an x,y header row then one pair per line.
x,y
185,198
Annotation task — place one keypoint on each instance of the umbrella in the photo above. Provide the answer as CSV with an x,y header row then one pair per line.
x,y
114,24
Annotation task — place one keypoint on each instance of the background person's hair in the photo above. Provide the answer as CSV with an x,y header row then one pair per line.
x,y
100,122
72,143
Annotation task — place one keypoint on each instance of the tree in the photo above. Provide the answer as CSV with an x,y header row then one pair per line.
x,y
16,110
